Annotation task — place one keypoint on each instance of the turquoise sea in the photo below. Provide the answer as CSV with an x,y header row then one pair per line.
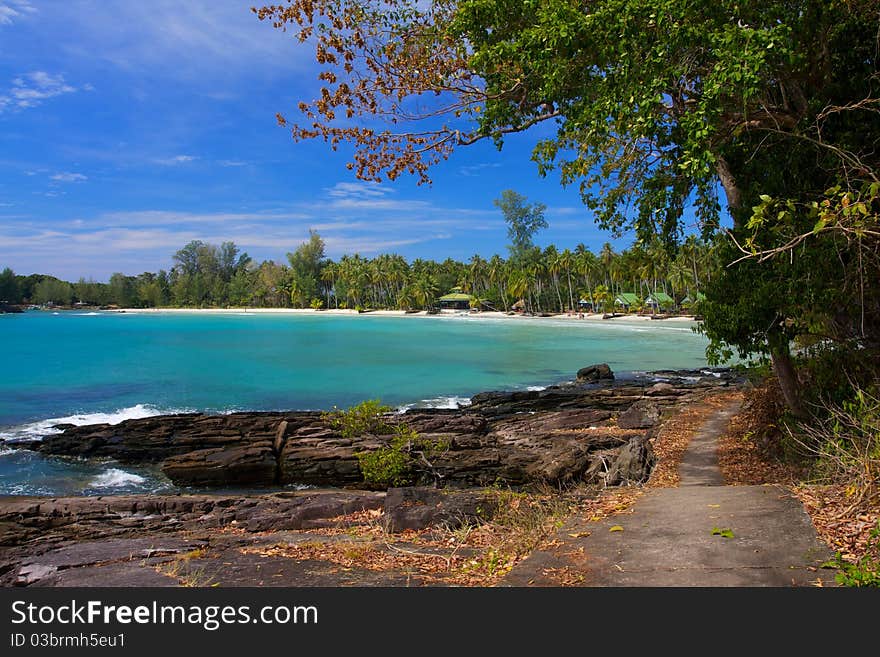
x,y
86,367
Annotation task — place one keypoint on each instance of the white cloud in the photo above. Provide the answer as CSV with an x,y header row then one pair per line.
x,y
202,40
474,169
177,159
75,250
12,10
31,89
358,190
232,163
366,196
178,218
66,176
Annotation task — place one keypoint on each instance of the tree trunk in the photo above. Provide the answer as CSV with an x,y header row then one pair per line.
x,y
731,189
786,374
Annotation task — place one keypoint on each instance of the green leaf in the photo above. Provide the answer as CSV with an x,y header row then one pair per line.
x,y
723,533
819,225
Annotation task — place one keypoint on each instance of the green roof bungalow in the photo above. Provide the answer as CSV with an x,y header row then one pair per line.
x,y
660,301
627,300
693,299
455,300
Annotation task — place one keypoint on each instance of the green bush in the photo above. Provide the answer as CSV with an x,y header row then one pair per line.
x,y
391,465
402,460
396,464
366,417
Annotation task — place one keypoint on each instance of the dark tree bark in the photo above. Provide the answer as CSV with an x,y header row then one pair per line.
x,y
731,189
786,373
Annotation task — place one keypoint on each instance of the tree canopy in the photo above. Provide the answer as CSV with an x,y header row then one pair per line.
x,y
523,220
649,107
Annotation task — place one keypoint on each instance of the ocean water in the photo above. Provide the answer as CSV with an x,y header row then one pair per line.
x,y
86,367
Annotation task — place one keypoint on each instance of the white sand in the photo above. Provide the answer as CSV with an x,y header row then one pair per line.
x,y
592,317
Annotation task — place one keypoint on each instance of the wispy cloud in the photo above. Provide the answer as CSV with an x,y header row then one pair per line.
x,y
200,40
475,169
12,10
178,218
175,160
365,196
31,89
76,250
67,176
358,190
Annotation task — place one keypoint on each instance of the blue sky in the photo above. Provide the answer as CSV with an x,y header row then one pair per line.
x,y
129,128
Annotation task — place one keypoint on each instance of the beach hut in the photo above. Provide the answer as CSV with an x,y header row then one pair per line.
x,y
693,299
455,300
629,301
586,306
660,301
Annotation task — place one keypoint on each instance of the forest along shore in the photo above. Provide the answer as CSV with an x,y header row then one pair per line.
x,y
589,433
483,314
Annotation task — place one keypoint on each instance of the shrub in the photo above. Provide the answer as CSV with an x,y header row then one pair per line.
x,y
399,463
846,442
391,465
366,417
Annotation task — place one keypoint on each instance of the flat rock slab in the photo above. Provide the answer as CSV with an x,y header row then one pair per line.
x,y
68,564
115,549
122,575
667,540
234,568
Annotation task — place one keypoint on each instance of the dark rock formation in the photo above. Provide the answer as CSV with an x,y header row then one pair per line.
x,y
644,414
419,508
591,373
555,435
632,464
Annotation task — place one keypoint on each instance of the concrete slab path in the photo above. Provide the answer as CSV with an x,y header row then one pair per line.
x,y
700,534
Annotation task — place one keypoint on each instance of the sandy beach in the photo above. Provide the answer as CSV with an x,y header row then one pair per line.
x,y
586,317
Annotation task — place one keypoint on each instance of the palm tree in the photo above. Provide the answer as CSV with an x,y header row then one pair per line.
x,y
680,277
497,272
424,290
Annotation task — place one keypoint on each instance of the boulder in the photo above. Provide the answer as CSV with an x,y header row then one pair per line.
x,y
418,508
644,414
661,389
632,463
599,372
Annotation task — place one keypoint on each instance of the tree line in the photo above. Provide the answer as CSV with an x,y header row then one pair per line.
x,y
543,279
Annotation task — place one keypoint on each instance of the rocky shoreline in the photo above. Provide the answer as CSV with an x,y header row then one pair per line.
x,y
594,431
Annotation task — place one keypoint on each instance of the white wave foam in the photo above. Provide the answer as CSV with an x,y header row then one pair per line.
x,y
445,402
536,388
114,478
87,314
448,403
36,430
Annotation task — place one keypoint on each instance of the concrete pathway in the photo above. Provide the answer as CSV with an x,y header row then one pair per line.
x,y
762,535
